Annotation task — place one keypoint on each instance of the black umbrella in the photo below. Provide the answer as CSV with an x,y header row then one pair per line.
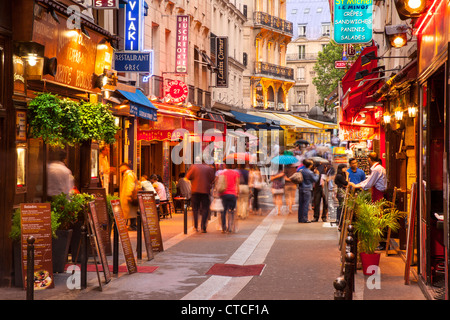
x,y
301,141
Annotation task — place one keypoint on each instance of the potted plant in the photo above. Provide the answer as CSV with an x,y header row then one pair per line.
x,y
68,211
371,220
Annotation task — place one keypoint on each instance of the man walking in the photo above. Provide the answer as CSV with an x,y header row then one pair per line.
x,y
355,174
376,181
319,195
304,190
201,177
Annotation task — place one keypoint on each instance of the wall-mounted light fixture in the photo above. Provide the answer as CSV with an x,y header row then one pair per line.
x,y
387,118
397,35
398,114
363,73
32,54
412,110
410,8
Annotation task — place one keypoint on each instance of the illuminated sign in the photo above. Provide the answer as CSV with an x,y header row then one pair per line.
x,y
134,25
352,21
106,4
134,61
182,44
176,91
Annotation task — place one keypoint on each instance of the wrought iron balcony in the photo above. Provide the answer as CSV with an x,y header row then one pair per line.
x,y
274,70
301,56
275,23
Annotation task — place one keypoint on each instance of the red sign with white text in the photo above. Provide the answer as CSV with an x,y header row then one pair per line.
x,y
106,4
182,44
177,91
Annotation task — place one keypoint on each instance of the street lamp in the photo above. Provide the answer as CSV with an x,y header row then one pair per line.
x,y
412,110
363,73
365,59
398,114
410,8
397,35
387,118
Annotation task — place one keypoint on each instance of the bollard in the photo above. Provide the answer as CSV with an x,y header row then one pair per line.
x,y
30,267
339,286
349,275
185,216
354,244
84,257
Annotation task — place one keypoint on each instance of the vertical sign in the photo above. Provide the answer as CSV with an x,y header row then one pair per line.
x,y
182,44
124,237
222,62
35,221
151,214
143,196
352,21
133,25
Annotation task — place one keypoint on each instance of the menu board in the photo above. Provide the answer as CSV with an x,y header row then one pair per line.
x,y
102,216
149,209
124,237
97,241
35,221
145,225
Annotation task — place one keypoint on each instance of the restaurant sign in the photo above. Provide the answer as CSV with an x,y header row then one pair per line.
x,y
134,30
177,91
222,62
352,21
134,61
182,44
106,4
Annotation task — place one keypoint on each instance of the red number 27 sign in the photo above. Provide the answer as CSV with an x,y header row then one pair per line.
x,y
176,91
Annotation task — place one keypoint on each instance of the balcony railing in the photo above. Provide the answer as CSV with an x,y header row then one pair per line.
x,y
274,70
301,56
265,19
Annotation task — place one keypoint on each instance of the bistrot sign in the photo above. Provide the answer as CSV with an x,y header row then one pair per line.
x,y
182,44
352,21
106,4
133,25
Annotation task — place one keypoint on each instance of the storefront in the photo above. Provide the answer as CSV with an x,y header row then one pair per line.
x,y
433,30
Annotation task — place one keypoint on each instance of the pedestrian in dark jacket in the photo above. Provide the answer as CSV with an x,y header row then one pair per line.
x,y
304,190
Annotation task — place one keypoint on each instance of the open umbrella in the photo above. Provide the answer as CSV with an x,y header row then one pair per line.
x,y
284,159
319,160
301,141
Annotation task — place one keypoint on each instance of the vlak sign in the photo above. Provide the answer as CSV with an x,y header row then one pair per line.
x,y
134,29
352,21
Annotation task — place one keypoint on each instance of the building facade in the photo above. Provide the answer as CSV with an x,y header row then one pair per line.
x,y
312,26
267,33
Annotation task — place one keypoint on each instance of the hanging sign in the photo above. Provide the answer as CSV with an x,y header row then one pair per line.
x,y
126,61
133,25
222,62
106,4
352,21
182,44
177,91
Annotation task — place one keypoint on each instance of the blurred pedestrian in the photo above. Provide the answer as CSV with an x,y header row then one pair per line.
x,y
304,190
278,181
229,197
148,186
341,181
376,181
255,184
319,195
290,188
128,192
159,187
184,187
59,177
201,176
104,168
244,192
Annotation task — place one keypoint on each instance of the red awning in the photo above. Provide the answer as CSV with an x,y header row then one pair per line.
x,y
357,97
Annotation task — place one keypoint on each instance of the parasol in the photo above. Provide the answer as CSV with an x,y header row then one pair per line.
x,y
285,159
319,160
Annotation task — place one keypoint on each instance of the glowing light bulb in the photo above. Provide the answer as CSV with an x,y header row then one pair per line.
x,y
414,4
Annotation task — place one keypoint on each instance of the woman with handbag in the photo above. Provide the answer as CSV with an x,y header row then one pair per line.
x,y
255,183
278,182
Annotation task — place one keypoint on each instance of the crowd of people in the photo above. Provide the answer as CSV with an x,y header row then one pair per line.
x,y
233,189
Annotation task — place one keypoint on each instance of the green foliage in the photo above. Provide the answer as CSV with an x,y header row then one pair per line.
x,y
53,120
67,209
372,219
97,122
110,197
62,121
16,230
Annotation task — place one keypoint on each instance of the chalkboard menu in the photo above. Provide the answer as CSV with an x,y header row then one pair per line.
x,y
102,216
36,221
124,237
149,208
145,224
97,240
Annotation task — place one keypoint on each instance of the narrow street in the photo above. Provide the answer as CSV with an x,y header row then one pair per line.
x,y
301,261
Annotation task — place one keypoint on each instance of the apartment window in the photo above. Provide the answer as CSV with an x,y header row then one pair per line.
x,y
319,10
301,52
294,11
300,73
306,11
301,97
301,28
326,29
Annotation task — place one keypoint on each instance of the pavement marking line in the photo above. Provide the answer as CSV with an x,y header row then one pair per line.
x,y
253,251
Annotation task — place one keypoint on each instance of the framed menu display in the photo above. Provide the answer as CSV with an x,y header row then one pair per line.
x,y
97,240
149,209
124,237
145,225
35,221
102,216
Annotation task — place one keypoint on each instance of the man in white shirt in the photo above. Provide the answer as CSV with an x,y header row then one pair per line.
x,y
376,181
59,177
